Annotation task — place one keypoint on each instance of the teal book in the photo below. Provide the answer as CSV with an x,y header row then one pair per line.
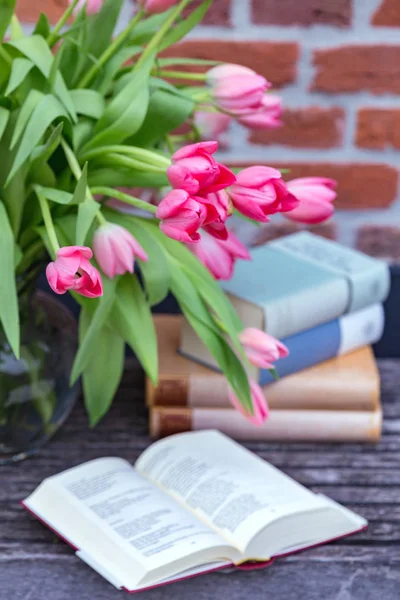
x,y
296,284
301,281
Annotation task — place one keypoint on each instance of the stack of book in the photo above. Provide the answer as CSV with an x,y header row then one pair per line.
x,y
324,301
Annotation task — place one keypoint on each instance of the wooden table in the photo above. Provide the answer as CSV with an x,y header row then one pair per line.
x,y
35,565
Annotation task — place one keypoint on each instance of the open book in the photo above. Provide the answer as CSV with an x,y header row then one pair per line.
x,y
192,503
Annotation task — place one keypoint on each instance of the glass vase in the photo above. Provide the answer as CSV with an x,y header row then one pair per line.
x,y
35,396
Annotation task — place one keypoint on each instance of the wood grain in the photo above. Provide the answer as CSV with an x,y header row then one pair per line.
x,y
35,565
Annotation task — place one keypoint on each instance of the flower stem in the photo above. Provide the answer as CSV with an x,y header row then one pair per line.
x,y
51,40
106,191
154,159
125,161
48,222
169,143
74,165
164,29
101,219
111,50
183,75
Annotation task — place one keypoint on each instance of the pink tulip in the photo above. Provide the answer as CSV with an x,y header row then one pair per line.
x,y
259,192
195,170
221,201
92,6
182,215
261,348
115,250
72,271
153,7
258,401
315,196
219,256
211,125
266,116
236,88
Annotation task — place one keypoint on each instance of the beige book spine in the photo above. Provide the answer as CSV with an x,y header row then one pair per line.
x,y
282,425
332,386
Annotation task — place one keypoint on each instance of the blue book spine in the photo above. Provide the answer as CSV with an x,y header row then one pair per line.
x,y
321,343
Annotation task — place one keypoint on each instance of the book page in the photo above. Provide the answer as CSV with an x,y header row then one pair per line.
x,y
147,523
226,486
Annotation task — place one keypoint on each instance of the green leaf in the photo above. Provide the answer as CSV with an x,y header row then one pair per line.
x,y
42,26
7,8
36,49
32,100
112,67
82,132
225,357
46,111
131,318
58,196
181,29
104,369
195,310
155,271
146,28
16,29
165,113
4,116
44,152
86,213
101,26
9,315
88,102
126,112
99,319
19,70
81,188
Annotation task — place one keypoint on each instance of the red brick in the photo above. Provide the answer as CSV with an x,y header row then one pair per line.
x,y
378,128
276,61
387,14
353,68
311,127
302,12
272,231
219,12
29,11
359,185
381,241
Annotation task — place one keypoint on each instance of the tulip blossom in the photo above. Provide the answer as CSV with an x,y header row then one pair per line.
x,y
153,7
261,348
219,256
211,125
259,192
258,401
182,215
195,170
92,6
236,88
72,271
115,250
266,116
315,196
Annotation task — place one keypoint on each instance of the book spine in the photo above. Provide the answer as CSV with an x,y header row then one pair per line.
x,y
282,425
209,390
328,340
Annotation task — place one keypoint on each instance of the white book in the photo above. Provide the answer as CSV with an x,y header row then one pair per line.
x,y
192,503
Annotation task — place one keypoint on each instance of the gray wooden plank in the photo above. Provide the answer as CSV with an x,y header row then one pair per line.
x,y
362,476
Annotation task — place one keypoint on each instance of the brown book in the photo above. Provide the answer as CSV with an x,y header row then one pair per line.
x,y
346,383
282,425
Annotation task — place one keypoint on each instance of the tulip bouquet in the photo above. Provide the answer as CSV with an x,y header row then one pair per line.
x,y
86,118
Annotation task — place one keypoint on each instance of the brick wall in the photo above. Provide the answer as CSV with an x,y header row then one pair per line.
x,y
337,66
